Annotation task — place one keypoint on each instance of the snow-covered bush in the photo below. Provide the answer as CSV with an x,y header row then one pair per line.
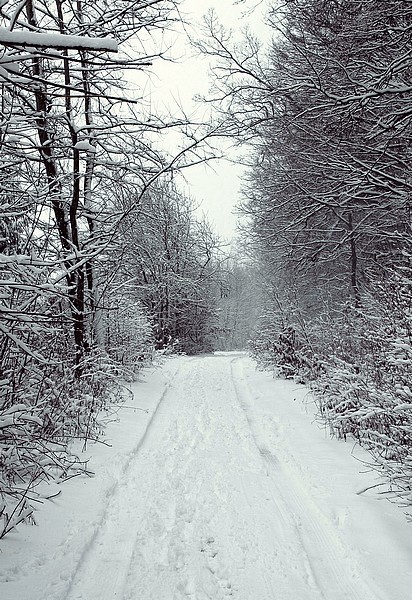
x,y
28,457
357,360
43,408
368,394
129,338
283,344
47,400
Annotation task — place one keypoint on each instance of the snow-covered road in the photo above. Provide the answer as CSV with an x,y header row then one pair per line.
x,y
232,491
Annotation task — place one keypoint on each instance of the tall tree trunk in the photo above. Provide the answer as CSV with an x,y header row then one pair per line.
x,y
353,259
66,220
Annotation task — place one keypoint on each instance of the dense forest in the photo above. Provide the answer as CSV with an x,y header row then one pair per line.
x,y
104,261
324,115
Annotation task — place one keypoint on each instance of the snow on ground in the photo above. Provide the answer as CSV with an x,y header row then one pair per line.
x,y
224,488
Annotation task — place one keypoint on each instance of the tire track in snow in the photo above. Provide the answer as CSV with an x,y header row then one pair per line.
x,y
102,569
328,562
173,541
291,544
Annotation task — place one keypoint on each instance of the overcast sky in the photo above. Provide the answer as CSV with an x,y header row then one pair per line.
x,y
216,187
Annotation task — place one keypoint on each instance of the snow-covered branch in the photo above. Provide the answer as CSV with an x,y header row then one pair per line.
x,y
56,40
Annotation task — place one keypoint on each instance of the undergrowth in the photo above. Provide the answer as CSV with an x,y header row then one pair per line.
x,y
358,365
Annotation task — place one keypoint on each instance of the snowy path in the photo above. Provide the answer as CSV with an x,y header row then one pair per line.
x,y
209,511
232,492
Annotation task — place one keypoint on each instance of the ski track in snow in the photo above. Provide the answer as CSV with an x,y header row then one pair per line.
x,y
208,510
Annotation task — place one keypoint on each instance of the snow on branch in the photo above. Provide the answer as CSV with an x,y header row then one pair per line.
x,y
56,40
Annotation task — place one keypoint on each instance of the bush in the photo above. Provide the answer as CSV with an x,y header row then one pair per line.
x,y
358,363
46,403
368,395
39,420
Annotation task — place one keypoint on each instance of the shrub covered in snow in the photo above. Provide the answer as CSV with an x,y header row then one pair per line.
x,y
47,400
368,395
284,344
358,362
43,409
128,334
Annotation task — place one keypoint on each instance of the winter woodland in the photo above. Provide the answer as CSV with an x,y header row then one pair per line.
x,y
105,263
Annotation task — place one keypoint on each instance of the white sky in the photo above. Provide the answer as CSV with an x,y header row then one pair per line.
x,y
214,187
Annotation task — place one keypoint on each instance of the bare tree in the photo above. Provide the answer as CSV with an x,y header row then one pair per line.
x,y
74,126
169,259
325,112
